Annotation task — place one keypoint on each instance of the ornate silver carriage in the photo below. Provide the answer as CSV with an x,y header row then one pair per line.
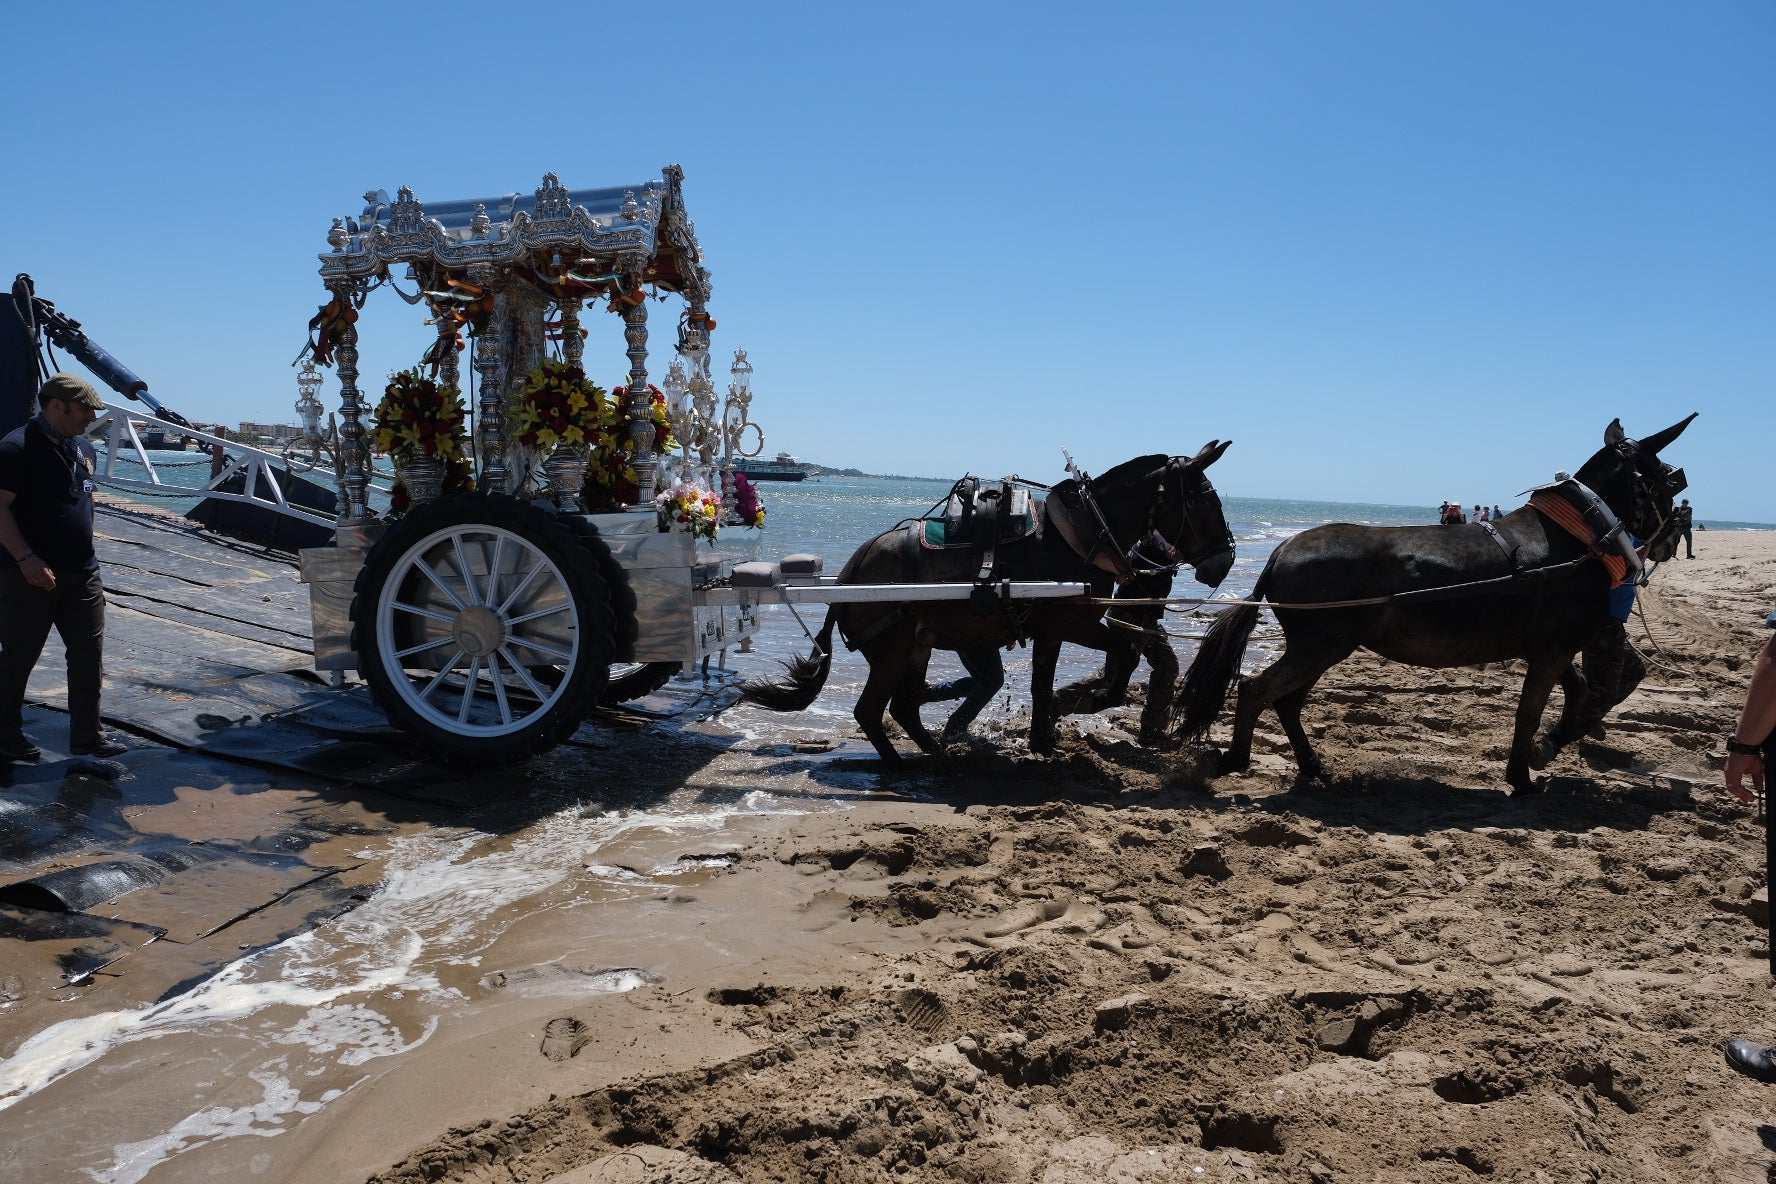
x,y
488,624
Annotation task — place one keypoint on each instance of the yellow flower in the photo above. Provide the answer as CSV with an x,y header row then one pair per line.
x,y
546,436
573,435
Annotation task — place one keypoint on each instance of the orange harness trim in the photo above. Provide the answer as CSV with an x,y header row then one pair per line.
x,y
1567,516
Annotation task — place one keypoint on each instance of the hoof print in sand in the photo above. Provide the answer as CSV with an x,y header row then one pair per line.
x,y
563,1037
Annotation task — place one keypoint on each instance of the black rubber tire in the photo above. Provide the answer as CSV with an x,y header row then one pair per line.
x,y
628,679
622,595
578,684
636,680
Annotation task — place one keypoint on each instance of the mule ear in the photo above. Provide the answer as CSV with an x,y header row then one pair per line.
x,y
1614,435
1211,452
1655,442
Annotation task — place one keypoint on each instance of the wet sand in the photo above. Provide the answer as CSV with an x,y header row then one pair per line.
x,y
680,951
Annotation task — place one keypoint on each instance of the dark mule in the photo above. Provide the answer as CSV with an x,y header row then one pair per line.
x,y
1138,634
1545,621
1167,495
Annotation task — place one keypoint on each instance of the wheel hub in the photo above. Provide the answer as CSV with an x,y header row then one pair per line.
x,y
479,630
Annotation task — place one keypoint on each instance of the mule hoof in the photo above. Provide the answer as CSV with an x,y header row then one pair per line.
x,y
1543,752
1226,762
1528,785
1157,738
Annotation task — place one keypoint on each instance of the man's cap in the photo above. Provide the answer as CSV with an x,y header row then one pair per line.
x,y
72,389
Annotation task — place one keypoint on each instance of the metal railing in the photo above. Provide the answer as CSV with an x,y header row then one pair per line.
x,y
258,469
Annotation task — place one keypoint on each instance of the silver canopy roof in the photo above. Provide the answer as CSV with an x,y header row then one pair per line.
x,y
640,230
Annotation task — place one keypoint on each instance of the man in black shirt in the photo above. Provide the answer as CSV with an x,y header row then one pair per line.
x,y
49,574
1685,519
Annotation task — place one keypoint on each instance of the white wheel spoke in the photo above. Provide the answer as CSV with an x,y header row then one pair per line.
x,y
539,614
535,687
462,567
468,695
433,576
547,651
437,678
493,570
429,614
499,688
420,649
523,584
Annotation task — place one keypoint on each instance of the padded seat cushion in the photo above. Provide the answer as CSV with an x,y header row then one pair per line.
x,y
755,574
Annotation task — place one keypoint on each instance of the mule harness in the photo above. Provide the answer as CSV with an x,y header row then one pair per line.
x,y
1566,502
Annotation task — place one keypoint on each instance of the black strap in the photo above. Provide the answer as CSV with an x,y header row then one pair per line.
x,y
1510,551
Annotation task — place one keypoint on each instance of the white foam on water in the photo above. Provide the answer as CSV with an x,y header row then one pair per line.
x,y
133,1161
579,983
445,897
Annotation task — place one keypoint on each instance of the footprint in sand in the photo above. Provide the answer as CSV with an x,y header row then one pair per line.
x,y
563,1037
922,1009
1043,913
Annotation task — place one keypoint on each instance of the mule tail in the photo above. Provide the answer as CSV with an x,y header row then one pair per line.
x,y
1216,665
802,679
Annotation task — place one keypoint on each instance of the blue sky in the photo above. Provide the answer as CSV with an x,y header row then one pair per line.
x,y
1396,251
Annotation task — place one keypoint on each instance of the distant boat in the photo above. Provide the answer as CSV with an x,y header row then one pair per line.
x,y
784,468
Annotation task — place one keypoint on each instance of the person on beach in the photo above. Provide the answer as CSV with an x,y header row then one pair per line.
x,y
49,573
1482,514
1497,513
1745,763
1683,516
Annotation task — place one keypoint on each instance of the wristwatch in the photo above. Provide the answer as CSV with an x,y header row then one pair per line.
x,y
1734,744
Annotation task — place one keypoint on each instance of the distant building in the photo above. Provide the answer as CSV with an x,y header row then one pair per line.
x,y
278,432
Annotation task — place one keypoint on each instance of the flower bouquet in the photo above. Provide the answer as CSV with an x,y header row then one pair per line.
x,y
663,441
611,481
749,507
421,426
695,511
557,405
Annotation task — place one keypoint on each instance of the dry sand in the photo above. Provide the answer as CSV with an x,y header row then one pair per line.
x,y
1101,967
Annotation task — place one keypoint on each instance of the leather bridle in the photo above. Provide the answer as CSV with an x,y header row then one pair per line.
x,y
1203,543
1106,551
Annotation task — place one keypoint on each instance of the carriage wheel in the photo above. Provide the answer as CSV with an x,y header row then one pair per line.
x,y
484,627
636,680
627,680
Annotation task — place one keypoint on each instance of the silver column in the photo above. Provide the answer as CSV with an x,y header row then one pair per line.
x,y
354,503
641,402
490,417
573,342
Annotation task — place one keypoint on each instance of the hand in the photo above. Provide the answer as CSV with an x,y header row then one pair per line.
x,y
37,574
1739,766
